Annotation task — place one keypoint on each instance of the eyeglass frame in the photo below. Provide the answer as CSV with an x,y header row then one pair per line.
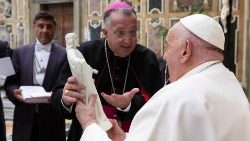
x,y
122,34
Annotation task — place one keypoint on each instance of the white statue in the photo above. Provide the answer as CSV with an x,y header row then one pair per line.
x,y
224,13
83,73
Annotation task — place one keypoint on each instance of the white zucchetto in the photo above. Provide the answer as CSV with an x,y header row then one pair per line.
x,y
205,27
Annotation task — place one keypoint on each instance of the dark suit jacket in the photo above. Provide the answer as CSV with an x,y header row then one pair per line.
x,y
50,124
4,52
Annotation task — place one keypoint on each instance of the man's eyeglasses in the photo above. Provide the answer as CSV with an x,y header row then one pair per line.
x,y
123,34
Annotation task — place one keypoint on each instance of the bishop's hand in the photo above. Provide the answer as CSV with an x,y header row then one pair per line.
x,y
72,91
120,101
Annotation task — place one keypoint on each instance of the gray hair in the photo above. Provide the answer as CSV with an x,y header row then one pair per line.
x,y
125,11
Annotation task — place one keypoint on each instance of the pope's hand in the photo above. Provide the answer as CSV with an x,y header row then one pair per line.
x,y
116,133
86,113
120,101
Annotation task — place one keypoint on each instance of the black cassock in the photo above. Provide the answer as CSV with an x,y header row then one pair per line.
x,y
143,73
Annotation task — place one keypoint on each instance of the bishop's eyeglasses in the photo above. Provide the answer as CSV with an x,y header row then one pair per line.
x,y
122,34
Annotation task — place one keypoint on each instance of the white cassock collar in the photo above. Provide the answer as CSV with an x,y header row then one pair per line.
x,y
200,68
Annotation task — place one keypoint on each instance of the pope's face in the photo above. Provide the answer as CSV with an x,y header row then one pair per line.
x,y
44,30
173,52
169,56
121,33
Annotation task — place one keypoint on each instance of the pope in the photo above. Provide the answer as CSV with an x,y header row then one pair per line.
x,y
203,102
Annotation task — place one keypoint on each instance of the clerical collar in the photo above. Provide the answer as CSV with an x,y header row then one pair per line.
x,y
200,68
111,54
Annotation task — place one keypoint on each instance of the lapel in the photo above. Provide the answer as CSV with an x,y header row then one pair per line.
x,y
29,55
52,65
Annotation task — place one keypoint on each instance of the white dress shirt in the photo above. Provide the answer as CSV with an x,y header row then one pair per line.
x,y
41,59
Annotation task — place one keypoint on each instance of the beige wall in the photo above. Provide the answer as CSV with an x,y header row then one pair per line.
x,y
17,25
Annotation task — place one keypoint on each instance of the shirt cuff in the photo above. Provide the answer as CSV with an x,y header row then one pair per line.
x,y
126,109
68,109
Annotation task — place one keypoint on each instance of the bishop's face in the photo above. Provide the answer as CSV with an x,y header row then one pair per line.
x,y
121,33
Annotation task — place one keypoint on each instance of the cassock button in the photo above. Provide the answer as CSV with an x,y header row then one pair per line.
x,y
115,89
117,78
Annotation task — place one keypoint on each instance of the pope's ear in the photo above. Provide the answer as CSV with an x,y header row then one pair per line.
x,y
187,51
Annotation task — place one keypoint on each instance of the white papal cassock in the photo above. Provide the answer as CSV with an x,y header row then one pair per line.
x,y
206,104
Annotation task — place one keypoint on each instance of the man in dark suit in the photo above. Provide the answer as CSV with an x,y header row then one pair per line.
x,y
4,52
37,64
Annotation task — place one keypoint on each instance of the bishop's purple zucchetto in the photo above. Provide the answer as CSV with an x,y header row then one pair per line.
x,y
117,5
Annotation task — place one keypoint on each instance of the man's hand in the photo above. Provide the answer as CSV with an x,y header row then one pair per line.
x,y
116,133
120,101
17,95
72,91
86,113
